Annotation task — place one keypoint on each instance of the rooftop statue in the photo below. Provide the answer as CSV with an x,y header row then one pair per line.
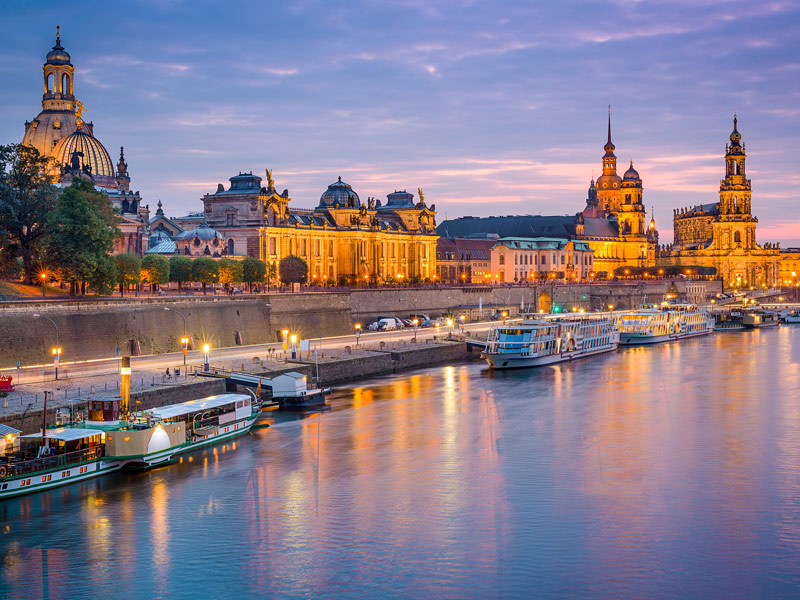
x,y
421,195
78,113
270,181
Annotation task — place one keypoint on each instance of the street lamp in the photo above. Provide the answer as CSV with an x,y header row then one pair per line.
x,y
206,349
294,346
415,323
57,350
43,277
358,332
450,325
462,318
184,339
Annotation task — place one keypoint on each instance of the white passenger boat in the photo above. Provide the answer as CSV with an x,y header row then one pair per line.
x,y
546,340
672,322
792,316
103,442
61,456
157,435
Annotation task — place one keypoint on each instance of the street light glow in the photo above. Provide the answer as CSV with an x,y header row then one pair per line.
x,y
206,348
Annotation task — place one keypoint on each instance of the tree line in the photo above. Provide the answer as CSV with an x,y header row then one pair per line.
x,y
49,234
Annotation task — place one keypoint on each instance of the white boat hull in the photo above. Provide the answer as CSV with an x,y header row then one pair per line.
x,y
224,432
507,360
45,480
634,339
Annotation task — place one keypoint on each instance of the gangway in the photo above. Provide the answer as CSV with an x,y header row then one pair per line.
x,y
238,378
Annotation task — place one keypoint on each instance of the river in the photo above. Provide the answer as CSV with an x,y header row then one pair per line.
x,y
662,472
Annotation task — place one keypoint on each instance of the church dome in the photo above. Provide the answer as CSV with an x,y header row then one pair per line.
x,y
631,173
608,182
341,194
94,155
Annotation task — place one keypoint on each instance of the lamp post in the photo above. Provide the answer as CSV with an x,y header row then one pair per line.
x,y
184,339
462,318
358,332
57,350
450,326
294,346
43,277
415,322
206,349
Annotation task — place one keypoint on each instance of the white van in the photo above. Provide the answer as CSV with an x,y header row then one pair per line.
x,y
388,324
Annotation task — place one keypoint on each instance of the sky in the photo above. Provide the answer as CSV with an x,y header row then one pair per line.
x,y
491,107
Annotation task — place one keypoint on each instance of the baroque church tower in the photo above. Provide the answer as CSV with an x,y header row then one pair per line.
x,y
608,184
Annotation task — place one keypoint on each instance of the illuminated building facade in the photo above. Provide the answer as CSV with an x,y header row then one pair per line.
x,y
522,259
341,239
723,234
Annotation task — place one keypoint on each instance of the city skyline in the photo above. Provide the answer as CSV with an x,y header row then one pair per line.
x,y
488,111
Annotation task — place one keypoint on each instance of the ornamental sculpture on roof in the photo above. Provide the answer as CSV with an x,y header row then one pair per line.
x,y
421,195
78,113
270,181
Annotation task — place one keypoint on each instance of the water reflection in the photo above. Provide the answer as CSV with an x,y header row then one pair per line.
x,y
670,471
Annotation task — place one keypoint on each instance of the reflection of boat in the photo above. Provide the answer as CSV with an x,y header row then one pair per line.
x,y
540,340
673,322
754,319
62,456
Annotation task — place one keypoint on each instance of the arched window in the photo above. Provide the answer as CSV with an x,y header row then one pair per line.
x,y
50,82
230,247
502,259
737,237
271,216
65,84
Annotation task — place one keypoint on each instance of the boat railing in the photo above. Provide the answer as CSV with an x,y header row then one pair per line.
x,y
45,463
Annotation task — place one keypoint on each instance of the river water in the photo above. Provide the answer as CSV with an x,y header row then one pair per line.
x,y
662,472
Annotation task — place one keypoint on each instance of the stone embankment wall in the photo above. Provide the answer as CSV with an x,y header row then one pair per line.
x,y
96,329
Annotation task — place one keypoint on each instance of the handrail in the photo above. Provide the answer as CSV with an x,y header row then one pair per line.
x,y
46,463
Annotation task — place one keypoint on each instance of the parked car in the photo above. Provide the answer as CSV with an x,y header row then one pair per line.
x,y
407,322
389,324
426,323
421,318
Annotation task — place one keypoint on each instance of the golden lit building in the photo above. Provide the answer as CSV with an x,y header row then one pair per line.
x,y
723,234
342,239
612,224
789,266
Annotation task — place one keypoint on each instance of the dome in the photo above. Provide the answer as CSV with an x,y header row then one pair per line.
x,y
204,233
94,154
631,173
339,193
608,182
58,56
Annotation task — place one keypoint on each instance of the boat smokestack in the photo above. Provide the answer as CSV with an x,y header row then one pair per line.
x,y
125,385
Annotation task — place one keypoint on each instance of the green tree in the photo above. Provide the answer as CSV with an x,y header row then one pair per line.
x,y
81,233
104,278
272,273
128,270
230,271
180,270
253,271
205,270
293,269
26,201
155,270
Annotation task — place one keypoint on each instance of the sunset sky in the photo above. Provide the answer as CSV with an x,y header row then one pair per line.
x,y
490,107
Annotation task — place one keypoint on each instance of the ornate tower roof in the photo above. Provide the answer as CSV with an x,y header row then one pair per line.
x,y
609,147
58,56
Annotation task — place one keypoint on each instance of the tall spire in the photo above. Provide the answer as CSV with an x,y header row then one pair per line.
x,y
609,147
58,35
